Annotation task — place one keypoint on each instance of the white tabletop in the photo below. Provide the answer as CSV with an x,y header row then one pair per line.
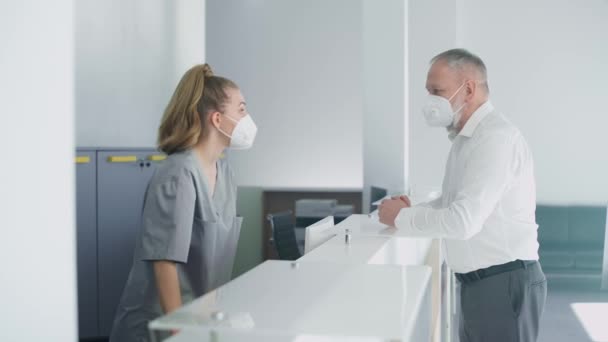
x,y
370,242
367,226
360,250
198,335
312,299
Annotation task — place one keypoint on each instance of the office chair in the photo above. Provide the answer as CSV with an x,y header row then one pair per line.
x,y
284,235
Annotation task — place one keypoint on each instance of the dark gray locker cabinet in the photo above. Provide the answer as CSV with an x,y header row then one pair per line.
x,y
122,179
86,237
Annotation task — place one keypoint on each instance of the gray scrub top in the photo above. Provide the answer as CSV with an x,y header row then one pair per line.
x,y
181,222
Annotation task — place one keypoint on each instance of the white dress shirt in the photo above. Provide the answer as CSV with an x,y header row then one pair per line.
x,y
486,213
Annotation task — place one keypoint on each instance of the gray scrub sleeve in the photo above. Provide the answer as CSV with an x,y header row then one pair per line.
x,y
167,219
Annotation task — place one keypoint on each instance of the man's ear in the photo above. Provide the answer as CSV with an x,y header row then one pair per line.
x,y
471,89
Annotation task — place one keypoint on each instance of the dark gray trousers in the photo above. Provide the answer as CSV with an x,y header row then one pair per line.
x,y
504,307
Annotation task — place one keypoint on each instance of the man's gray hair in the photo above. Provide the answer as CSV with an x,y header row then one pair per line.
x,y
461,59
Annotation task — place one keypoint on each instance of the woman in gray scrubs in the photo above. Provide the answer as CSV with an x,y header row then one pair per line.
x,y
190,230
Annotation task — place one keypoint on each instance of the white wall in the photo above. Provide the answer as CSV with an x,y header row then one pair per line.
x,y
432,29
301,68
385,123
130,55
548,72
298,64
189,46
37,247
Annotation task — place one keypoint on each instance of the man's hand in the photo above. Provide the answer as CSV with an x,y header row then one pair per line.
x,y
389,209
404,199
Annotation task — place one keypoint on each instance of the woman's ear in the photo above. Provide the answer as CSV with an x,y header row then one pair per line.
x,y
214,118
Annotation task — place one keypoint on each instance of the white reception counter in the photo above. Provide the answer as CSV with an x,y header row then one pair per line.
x,y
374,288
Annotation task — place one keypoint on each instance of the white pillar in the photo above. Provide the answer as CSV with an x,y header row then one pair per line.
x,y
37,243
385,123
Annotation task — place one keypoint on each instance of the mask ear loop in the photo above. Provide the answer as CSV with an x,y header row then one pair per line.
x,y
458,110
457,91
224,133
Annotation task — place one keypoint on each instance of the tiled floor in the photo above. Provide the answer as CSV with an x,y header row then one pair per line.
x,y
574,315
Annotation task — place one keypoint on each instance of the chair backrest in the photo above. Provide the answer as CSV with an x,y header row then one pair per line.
x,y
317,233
284,235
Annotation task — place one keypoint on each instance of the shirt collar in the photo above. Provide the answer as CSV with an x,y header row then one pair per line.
x,y
476,118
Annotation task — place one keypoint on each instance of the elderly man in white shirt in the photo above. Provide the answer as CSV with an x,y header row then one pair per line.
x,y
486,213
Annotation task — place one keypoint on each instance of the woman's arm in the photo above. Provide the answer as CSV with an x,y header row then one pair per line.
x,y
167,284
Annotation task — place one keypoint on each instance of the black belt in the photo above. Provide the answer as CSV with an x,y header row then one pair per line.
x,y
493,270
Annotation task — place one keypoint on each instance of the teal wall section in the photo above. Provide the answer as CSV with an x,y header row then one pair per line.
x,y
249,253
